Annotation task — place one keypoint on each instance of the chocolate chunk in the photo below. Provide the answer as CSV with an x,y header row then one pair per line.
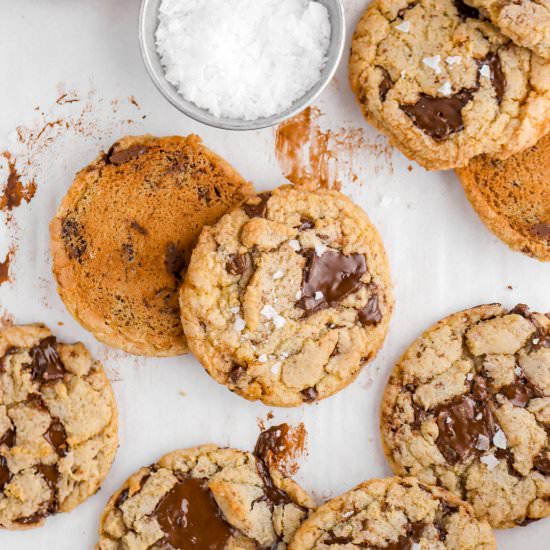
x,y
466,11
139,228
120,157
462,420
174,260
404,542
46,363
237,264
4,472
439,117
497,76
190,518
541,336
35,518
310,394
520,392
75,244
122,498
8,438
128,252
542,463
272,494
541,230
51,475
386,84
236,372
333,539
306,223
370,314
56,436
259,209
333,275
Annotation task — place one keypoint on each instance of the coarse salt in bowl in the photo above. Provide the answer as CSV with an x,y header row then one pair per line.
x,y
241,64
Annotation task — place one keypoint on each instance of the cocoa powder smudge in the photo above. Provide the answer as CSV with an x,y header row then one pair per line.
x,y
15,192
5,267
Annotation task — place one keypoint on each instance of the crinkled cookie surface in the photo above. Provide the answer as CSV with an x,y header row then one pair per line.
x,y
206,497
445,85
526,22
58,426
468,408
394,514
287,296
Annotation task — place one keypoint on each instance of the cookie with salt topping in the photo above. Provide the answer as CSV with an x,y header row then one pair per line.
x,y
288,296
204,497
394,514
446,85
467,408
58,426
123,234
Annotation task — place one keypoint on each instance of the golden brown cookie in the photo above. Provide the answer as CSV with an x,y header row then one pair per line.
x,y
288,296
467,408
123,235
204,497
58,426
394,514
512,197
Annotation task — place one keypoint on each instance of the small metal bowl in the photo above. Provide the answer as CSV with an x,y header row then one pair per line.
x,y
148,22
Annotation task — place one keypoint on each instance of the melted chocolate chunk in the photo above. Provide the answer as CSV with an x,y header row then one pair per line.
x,y
462,420
497,76
71,233
51,475
333,275
306,223
541,230
236,372
8,438
128,252
4,472
258,210
122,498
541,336
386,84
174,260
190,518
520,392
46,363
370,314
270,443
405,542
439,117
310,394
333,539
120,157
272,494
466,11
35,518
139,228
542,463
237,264
56,436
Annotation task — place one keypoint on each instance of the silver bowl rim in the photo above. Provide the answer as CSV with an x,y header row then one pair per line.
x,y
200,115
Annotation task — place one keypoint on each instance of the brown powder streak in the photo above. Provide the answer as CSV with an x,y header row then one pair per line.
x,y
15,192
5,267
311,156
282,446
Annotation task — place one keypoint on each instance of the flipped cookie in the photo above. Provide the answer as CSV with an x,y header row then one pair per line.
x,y
123,235
512,197
205,497
394,514
526,22
446,86
58,426
467,408
287,296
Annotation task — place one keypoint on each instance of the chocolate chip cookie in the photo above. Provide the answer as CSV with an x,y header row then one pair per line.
x,y
445,85
205,497
123,235
526,22
394,514
468,408
58,426
512,197
287,296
